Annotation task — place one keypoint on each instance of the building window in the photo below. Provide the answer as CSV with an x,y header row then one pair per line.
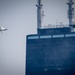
x,y
33,37
58,36
47,36
70,35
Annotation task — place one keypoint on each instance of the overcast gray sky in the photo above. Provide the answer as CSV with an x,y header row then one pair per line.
x,y
20,17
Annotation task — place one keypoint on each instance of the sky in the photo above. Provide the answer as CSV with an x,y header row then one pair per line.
x,y
20,18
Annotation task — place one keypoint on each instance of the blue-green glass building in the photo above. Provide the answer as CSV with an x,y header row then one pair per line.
x,y
52,50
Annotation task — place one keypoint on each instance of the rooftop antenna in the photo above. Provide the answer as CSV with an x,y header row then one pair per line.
x,y
57,21
39,8
42,15
70,12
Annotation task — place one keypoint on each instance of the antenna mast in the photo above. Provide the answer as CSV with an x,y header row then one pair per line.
x,y
70,12
39,7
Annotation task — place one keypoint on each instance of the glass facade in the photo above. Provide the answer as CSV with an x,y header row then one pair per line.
x,y
47,55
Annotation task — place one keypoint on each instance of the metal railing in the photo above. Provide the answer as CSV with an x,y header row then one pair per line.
x,y
55,26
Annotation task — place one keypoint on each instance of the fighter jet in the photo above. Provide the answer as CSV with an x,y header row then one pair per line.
x,y
2,29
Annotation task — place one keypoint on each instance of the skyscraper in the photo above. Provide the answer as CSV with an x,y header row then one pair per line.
x,y
52,50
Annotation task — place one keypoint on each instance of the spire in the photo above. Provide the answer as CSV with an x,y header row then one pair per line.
x,y
70,12
39,7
